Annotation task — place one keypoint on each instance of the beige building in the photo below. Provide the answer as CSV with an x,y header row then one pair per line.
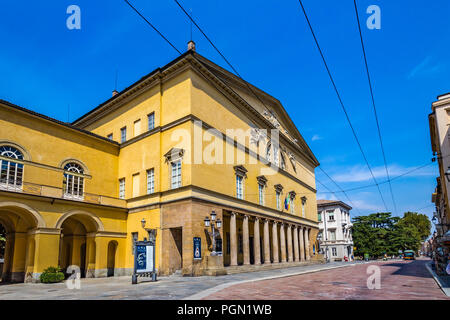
x,y
439,121
185,140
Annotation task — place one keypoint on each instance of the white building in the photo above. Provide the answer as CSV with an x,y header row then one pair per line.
x,y
335,230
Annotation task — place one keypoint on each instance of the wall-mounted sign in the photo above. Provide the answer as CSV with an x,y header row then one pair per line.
x,y
197,248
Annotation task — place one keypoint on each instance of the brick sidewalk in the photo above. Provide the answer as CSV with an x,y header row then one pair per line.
x,y
400,280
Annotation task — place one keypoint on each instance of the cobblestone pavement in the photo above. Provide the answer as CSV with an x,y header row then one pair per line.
x,y
400,280
174,287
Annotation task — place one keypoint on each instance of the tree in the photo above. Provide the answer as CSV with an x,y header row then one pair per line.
x,y
380,233
420,221
371,233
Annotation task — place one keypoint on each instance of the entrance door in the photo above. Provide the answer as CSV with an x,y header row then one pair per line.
x,y
176,249
252,251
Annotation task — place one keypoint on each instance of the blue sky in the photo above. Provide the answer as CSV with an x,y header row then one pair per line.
x,y
46,67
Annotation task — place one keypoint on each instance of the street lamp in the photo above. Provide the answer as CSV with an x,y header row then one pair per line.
x,y
213,223
143,223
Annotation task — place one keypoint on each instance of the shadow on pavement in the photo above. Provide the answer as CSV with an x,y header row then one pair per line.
x,y
414,268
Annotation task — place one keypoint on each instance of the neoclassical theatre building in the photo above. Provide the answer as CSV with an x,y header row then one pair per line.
x,y
81,193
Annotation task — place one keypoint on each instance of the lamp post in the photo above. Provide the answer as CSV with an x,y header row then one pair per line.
x,y
211,222
151,232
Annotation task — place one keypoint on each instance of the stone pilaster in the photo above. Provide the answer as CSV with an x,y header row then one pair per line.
x,y
245,240
302,244
307,249
283,242
289,239
296,255
266,242
233,240
256,242
276,259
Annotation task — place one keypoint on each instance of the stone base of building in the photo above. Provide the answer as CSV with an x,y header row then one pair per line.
x,y
214,266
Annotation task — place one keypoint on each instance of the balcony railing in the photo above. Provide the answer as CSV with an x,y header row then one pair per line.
x,y
58,193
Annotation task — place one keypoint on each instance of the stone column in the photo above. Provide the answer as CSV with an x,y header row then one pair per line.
x,y
302,244
245,240
289,239
256,247
276,259
233,240
307,249
282,242
266,242
296,244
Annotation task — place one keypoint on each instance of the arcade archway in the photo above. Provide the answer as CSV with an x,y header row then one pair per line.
x,y
18,252
77,245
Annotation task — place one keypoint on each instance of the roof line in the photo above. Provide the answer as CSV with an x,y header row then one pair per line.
x,y
61,123
152,73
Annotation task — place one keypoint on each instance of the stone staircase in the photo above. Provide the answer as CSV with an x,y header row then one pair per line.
x,y
272,266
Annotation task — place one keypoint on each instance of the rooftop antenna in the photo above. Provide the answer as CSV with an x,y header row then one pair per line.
x,y
191,43
115,83
115,92
191,23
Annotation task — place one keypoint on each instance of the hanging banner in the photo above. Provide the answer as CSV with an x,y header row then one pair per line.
x,y
197,248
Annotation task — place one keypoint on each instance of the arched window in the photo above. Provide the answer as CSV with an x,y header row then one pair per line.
x,y
73,183
11,173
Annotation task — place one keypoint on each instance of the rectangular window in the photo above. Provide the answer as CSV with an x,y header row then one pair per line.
x,y
123,134
333,235
334,252
136,185
122,188
278,198
110,136
239,187
151,121
303,210
319,216
150,181
261,194
330,215
137,127
292,205
176,174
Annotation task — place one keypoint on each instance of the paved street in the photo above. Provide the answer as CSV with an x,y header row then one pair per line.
x,y
174,287
400,280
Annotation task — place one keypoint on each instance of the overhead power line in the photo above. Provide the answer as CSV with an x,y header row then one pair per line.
x,y
343,191
151,25
234,69
342,103
374,106
221,54
237,73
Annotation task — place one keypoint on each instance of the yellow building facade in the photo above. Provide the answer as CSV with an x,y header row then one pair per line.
x,y
187,139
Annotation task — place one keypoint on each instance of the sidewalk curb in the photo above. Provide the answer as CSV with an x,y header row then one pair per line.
x,y
207,292
444,289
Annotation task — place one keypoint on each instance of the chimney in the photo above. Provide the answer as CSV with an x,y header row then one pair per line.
x,y
115,92
191,45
